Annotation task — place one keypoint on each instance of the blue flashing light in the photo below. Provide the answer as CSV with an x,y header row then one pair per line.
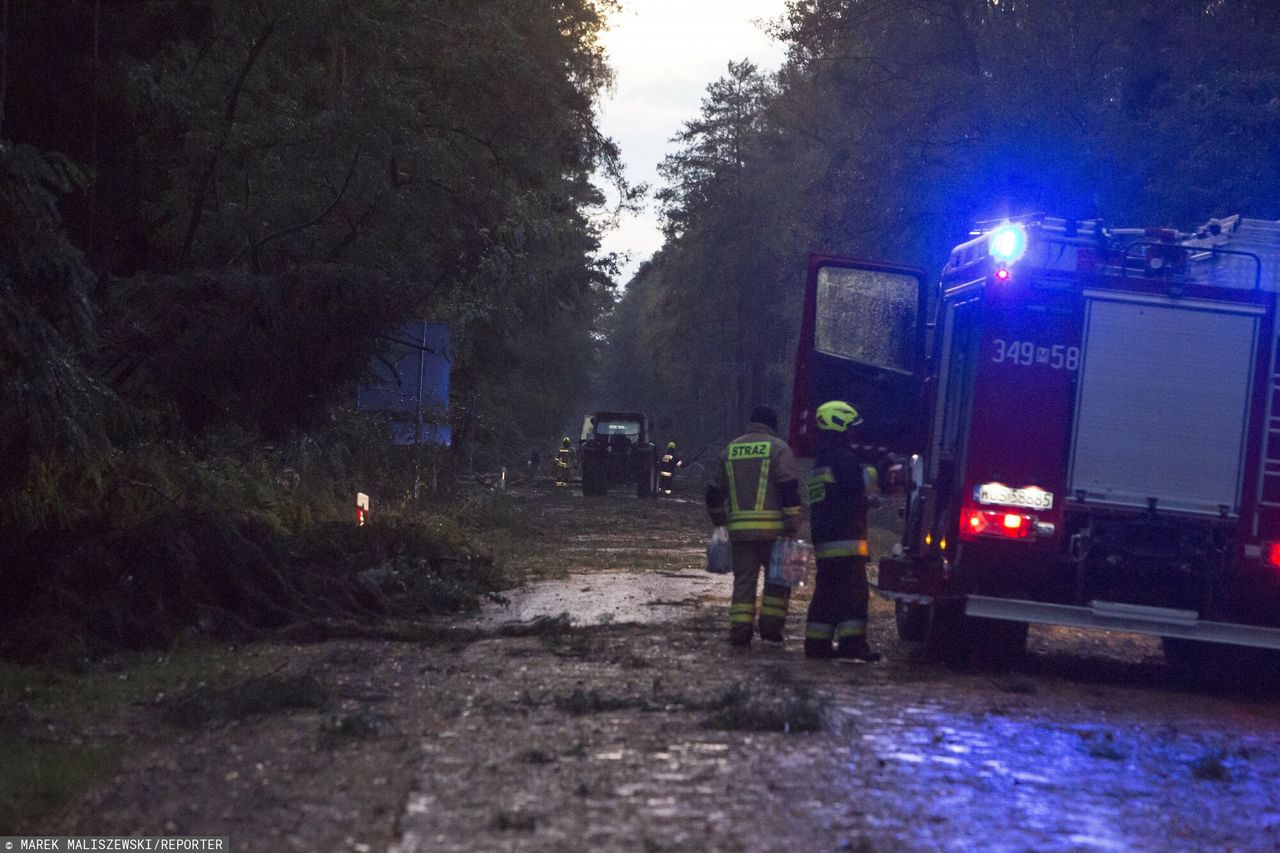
x,y
1008,242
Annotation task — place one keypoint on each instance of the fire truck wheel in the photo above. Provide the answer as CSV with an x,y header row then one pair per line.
x,y
945,638
968,642
1204,665
996,644
912,621
1218,668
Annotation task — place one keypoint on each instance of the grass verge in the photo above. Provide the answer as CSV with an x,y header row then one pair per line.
x,y
49,761
38,776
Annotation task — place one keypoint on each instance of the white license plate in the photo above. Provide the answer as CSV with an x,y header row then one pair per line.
x,y
1029,497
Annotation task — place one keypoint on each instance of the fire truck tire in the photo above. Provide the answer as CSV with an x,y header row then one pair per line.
x,y
912,621
1218,667
995,644
945,638
1204,665
967,642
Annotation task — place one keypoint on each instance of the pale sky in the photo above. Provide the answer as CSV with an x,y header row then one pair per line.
x,y
664,54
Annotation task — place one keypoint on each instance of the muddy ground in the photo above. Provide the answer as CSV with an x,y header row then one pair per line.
x,y
635,727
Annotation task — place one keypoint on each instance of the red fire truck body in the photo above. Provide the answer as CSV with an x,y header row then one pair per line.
x,y
1094,433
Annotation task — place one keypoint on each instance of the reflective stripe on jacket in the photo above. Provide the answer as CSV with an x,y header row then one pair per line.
x,y
838,504
757,478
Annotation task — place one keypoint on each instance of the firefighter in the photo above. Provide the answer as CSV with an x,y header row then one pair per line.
x,y
757,478
564,460
667,466
838,504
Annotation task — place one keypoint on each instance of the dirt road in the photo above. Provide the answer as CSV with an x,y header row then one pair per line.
x,y
637,728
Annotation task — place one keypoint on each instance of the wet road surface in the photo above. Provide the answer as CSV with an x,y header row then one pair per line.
x,y
604,741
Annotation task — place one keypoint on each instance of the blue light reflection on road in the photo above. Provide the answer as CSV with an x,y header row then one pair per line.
x,y
941,779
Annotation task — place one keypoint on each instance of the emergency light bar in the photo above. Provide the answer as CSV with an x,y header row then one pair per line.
x,y
1008,242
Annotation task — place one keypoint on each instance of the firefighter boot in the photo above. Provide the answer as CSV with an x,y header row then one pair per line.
x,y
773,613
740,634
855,649
818,649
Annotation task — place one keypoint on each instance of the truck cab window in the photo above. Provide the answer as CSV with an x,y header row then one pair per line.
x,y
867,316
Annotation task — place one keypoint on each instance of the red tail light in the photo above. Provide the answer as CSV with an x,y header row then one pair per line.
x,y
994,523
1273,554
972,523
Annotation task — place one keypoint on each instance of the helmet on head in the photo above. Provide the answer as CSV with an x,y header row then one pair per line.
x,y
671,445
565,443
837,416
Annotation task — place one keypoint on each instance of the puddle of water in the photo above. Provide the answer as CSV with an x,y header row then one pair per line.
x,y
599,598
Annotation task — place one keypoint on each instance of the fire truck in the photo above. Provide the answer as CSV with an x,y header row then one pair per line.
x,y
1092,419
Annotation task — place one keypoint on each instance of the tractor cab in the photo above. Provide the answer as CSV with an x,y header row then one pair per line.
x,y
615,450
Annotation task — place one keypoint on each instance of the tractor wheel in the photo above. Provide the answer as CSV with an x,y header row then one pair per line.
x,y
645,472
594,475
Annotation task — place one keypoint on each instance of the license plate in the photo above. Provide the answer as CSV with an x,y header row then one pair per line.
x,y
1029,497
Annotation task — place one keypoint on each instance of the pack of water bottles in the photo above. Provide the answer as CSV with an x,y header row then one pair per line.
x,y
719,558
790,562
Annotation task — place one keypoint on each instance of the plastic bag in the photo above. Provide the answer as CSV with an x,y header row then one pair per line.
x,y
790,562
719,558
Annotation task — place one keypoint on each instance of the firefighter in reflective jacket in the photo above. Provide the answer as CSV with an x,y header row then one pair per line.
x,y
838,505
564,460
757,478
667,466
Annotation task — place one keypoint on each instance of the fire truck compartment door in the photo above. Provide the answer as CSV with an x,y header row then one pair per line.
x,y
1162,402
862,341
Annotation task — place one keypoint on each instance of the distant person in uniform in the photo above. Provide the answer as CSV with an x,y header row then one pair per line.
x,y
667,466
564,462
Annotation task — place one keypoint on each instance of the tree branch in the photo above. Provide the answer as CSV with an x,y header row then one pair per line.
x,y
301,226
228,119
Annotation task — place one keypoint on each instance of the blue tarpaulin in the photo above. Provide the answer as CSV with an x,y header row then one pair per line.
x,y
414,389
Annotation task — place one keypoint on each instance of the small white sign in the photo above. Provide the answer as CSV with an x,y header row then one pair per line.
x,y
1029,497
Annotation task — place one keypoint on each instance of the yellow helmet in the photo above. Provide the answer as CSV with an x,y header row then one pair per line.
x,y
671,445
837,416
566,441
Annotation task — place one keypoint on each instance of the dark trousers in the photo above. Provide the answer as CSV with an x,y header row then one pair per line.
x,y
666,479
840,597
748,559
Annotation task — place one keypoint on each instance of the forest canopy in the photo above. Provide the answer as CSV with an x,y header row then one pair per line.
x,y
215,211
214,216
893,127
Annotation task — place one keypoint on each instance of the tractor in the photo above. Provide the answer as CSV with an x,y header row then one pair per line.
x,y
615,450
